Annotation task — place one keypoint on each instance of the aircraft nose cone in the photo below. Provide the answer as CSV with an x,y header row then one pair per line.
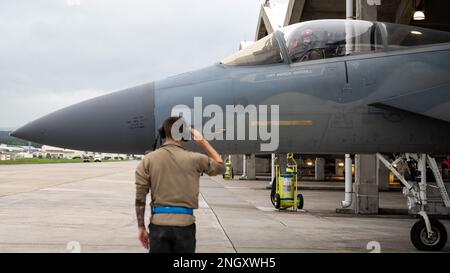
x,y
26,132
120,122
19,133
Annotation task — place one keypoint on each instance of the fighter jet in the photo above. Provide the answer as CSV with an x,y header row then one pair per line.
x,y
341,86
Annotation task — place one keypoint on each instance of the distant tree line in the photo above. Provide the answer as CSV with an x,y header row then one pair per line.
x,y
5,138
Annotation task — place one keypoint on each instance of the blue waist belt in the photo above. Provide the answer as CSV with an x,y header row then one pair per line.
x,y
173,210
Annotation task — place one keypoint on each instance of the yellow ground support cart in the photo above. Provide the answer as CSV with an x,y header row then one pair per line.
x,y
284,193
229,174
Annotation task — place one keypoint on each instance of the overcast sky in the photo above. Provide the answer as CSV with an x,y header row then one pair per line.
x,y
54,53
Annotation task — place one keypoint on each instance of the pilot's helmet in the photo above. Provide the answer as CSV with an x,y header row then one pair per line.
x,y
299,41
294,41
307,36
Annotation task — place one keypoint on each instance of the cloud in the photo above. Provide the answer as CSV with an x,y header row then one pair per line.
x,y
23,109
55,52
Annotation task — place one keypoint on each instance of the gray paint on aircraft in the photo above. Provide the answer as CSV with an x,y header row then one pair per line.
x,y
384,101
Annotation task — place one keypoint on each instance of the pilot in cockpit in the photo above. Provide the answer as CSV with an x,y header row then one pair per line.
x,y
307,49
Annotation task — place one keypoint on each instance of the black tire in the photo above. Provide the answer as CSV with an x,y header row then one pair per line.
x,y
277,201
420,239
273,191
301,201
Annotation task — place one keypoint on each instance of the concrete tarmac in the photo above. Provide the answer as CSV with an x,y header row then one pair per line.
x,y
89,207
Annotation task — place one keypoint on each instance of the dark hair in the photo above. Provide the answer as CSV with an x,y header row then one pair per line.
x,y
168,123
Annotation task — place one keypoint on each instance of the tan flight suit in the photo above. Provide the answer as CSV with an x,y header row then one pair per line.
x,y
172,174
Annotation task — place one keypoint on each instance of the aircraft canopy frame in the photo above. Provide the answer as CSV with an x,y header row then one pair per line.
x,y
324,39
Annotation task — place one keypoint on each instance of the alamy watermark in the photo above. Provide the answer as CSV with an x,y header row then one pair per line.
x,y
235,122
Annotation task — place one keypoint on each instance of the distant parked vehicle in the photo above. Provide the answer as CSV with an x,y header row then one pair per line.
x,y
87,159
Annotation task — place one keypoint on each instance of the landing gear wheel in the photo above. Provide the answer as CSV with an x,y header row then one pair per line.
x,y
277,201
420,239
301,201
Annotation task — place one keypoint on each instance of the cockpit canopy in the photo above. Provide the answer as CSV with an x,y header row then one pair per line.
x,y
264,51
323,39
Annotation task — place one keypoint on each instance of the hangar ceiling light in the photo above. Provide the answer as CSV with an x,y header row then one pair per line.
x,y
419,15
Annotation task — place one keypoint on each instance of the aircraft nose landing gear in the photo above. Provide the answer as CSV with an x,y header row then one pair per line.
x,y
426,234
